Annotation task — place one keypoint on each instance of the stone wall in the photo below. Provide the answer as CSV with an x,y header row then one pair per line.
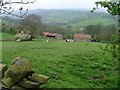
x,y
20,76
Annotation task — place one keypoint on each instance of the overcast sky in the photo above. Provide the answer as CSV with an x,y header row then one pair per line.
x,y
58,4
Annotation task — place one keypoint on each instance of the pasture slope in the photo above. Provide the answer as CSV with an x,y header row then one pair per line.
x,y
69,65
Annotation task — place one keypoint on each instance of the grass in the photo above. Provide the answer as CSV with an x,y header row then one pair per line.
x,y
69,65
6,36
0,51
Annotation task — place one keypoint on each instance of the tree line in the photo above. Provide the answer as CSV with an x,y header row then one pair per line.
x,y
34,24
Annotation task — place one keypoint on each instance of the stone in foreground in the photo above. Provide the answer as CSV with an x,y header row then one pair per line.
x,y
17,88
28,84
42,79
19,69
7,81
3,68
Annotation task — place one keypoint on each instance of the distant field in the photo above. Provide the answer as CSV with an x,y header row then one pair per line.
x,y
69,65
96,21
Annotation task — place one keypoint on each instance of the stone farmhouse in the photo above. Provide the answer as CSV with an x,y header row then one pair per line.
x,y
82,37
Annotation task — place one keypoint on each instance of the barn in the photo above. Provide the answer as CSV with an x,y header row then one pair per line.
x,y
82,37
53,35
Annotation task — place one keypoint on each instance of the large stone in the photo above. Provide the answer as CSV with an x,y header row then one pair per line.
x,y
42,79
3,87
3,68
16,87
7,81
28,84
19,69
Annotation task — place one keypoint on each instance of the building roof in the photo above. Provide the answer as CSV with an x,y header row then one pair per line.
x,y
82,36
51,34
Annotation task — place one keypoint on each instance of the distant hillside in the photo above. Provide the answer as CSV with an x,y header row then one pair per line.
x,y
10,21
74,18
71,19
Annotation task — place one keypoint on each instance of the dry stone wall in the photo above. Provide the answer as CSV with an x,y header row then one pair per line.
x,y
20,75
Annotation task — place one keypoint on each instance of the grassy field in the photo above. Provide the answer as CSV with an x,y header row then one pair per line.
x,y
0,51
69,65
95,21
6,36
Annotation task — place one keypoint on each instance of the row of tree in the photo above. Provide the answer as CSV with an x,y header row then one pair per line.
x,y
100,32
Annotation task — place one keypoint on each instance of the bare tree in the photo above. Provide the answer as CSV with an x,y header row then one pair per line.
x,y
6,9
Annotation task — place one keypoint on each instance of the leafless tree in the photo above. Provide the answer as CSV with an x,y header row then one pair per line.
x,y
7,9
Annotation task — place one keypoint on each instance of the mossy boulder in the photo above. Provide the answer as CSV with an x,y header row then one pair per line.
x,y
20,76
42,79
7,81
16,87
3,87
28,84
19,69
3,68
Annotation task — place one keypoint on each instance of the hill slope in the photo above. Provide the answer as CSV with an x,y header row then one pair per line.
x,y
74,18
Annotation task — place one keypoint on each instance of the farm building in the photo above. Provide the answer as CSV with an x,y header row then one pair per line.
x,y
82,37
53,35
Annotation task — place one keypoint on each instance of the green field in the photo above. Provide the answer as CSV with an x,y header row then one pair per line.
x,y
95,21
69,65
6,36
